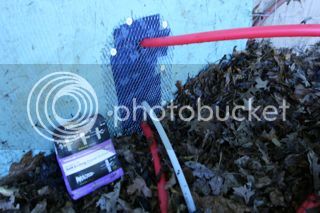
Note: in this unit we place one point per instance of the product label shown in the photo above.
(88, 162)
(96, 135)
(90, 168)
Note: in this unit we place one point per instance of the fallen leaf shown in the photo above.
(139, 185)
(220, 204)
(7, 192)
(315, 169)
(108, 202)
(277, 198)
(216, 184)
(44, 191)
(200, 170)
(245, 192)
(40, 207)
(7, 205)
(260, 83)
(171, 182)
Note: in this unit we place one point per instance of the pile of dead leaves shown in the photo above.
(35, 184)
(231, 166)
(258, 164)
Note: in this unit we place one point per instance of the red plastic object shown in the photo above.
(312, 204)
(161, 185)
(302, 30)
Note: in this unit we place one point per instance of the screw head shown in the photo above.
(113, 51)
(162, 67)
(129, 21)
(164, 24)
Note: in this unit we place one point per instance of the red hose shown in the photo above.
(161, 185)
(302, 30)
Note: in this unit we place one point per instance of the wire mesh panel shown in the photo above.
(135, 71)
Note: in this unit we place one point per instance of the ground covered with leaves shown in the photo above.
(231, 166)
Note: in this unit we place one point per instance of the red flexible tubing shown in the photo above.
(302, 30)
(161, 185)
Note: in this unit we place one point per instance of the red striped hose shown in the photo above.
(301, 30)
(161, 185)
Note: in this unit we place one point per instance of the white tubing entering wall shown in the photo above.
(173, 158)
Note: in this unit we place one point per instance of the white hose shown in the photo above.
(173, 158)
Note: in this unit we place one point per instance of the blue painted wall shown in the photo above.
(71, 35)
